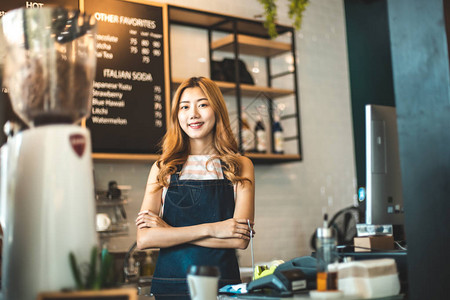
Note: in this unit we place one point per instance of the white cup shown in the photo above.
(102, 221)
(203, 282)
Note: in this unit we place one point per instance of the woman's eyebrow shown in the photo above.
(187, 101)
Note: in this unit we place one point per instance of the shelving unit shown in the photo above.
(105, 202)
(115, 209)
(251, 45)
(271, 157)
(246, 89)
(124, 157)
(247, 37)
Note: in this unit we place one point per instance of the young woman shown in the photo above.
(200, 193)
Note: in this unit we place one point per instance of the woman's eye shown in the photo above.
(203, 105)
(184, 107)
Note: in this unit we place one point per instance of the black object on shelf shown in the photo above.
(225, 71)
(113, 190)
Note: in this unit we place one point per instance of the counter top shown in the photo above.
(304, 295)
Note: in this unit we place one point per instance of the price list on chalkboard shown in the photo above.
(128, 105)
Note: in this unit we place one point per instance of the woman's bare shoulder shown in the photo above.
(245, 161)
(155, 166)
(154, 172)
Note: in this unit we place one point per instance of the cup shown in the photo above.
(203, 282)
(102, 221)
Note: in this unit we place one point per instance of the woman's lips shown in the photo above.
(196, 125)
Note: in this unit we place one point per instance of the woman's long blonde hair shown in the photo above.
(176, 147)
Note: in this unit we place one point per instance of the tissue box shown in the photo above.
(379, 242)
(365, 279)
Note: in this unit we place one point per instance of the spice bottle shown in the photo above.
(247, 135)
(326, 257)
(260, 133)
(278, 139)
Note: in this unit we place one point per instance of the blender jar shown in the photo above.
(49, 63)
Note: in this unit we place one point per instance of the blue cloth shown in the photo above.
(187, 203)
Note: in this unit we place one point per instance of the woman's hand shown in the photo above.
(148, 219)
(231, 228)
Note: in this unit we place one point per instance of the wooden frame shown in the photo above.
(109, 294)
(125, 157)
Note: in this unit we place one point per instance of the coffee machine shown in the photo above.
(47, 206)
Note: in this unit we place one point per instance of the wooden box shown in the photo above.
(375, 242)
(107, 294)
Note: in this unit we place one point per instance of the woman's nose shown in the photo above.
(193, 112)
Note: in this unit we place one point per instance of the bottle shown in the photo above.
(278, 138)
(246, 134)
(132, 270)
(148, 267)
(260, 134)
(326, 257)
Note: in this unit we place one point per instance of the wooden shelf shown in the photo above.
(124, 157)
(246, 89)
(257, 158)
(261, 158)
(120, 293)
(251, 45)
(211, 20)
(115, 229)
(102, 202)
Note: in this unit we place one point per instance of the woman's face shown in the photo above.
(195, 114)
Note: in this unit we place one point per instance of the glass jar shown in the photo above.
(327, 259)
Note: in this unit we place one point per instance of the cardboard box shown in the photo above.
(375, 242)
(368, 279)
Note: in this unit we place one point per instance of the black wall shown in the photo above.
(422, 91)
(369, 56)
(398, 55)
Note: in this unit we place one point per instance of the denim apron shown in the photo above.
(187, 203)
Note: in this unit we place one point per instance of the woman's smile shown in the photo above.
(196, 125)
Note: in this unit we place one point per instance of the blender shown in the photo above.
(48, 60)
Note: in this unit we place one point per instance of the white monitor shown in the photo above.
(384, 203)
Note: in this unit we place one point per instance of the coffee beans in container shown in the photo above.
(49, 74)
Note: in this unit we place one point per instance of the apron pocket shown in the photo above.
(182, 199)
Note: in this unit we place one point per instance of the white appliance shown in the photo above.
(47, 186)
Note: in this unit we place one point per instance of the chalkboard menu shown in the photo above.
(6, 112)
(128, 106)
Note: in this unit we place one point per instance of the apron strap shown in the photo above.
(174, 177)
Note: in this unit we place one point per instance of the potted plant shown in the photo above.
(296, 9)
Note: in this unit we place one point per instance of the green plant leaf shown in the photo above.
(91, 277)
(270, 12)
(296, 9)
(105, 268)
(75, 271)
